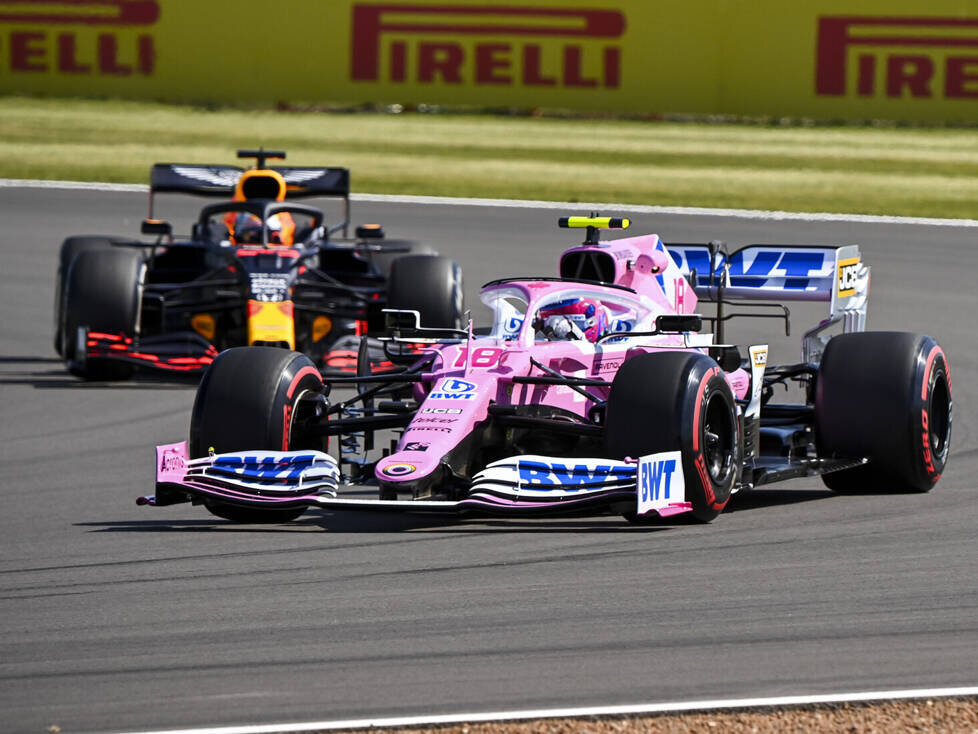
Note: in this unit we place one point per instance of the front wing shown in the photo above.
(517, 486)
(177, 353)
(190, 353)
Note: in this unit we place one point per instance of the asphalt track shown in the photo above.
(115, 617)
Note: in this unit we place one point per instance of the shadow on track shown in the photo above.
(756, 499)
(29, 360)
(355, 523)
(358, 523)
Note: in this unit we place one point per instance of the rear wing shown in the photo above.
(220, 181)
(827, 273)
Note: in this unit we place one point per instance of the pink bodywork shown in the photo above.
(454, 397)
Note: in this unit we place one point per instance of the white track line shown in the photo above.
(570, 713)
(29, 183)
(558, 205)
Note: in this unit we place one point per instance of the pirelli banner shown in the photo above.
(829, 59)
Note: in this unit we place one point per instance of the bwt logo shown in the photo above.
(106, 50)
(758, 268)
(454, 389)
(571, 477)
(655, 479)
(265, 467)
(922, 57)
(421, 43)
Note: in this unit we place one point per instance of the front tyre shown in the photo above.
(678, 401)
(71, 248)
(102, 292)
(384, 261)
(431, 285)
(886, 396)
(250, 399)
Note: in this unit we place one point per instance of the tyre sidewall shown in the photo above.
(925, 465)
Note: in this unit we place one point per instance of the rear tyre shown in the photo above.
(430, 284)
(70, 249)
(102, 293)
(678, 401)
(249, 398)
(886, 396)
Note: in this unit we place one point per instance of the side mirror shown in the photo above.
(157, 227)
(397, 319)
(370, 232)
(676, 323)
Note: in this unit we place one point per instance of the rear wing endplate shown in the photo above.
(834, 274)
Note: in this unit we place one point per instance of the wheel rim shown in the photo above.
(305, 410)
(719, 436)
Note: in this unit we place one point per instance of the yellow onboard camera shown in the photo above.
(593, 224)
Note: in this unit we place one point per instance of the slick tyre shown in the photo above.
(70, 249)
(384, 261)
(102, 292)
(429, 284)
(678, 401)
(885, 396)
(249, 398)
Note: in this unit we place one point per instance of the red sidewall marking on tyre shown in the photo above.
(699, 462)
(930, 362)
(927, 454)
(307, 370)
(287, 408)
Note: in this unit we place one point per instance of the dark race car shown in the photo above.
(257, 269)
(591, 393)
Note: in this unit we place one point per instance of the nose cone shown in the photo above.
(449, 413)
(407, 466)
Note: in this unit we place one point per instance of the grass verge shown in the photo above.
(866, 170)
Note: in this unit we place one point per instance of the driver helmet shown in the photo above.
(574, 318)
(247, 229)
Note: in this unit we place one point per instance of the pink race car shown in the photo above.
(590, 393)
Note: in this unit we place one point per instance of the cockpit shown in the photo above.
(260, 223)
(532, 312)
